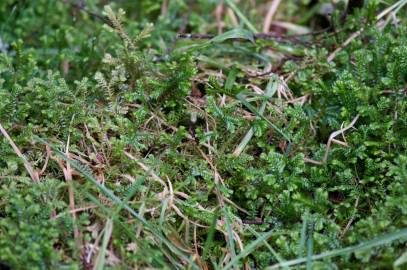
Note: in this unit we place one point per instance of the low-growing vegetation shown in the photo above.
(203, 134)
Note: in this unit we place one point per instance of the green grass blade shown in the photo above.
(130, 193)
(242, 99)
(244, 19)
(230, 79)
(237, 33)
(310, 247)
(209, 238)
(101, 258)
(273, 252)
(125, 227)
(162, 214)
(301, 245)
(231, 240)
(270, 91)
(379, 241)
(248, 249)
(401, 260)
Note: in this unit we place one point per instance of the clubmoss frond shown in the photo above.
(102, 83)
(117, 22)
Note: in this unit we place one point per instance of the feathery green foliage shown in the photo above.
(241, 151)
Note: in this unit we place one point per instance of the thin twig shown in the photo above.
(77, 210)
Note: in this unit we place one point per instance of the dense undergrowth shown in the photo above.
(141, 150)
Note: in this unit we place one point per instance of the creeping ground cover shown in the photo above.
(203, 134)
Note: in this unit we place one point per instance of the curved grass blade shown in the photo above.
(237, 33)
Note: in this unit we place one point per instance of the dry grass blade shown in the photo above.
(336, 133)
(333, 140)
(270, 14)
(68, 172)
(164, 7)
(44, 167)
(332, 56)
(158, 234)
(163, 194)
(33, 174)
(218, 14)
(351, 219)
(148, 170)
(68, 178)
